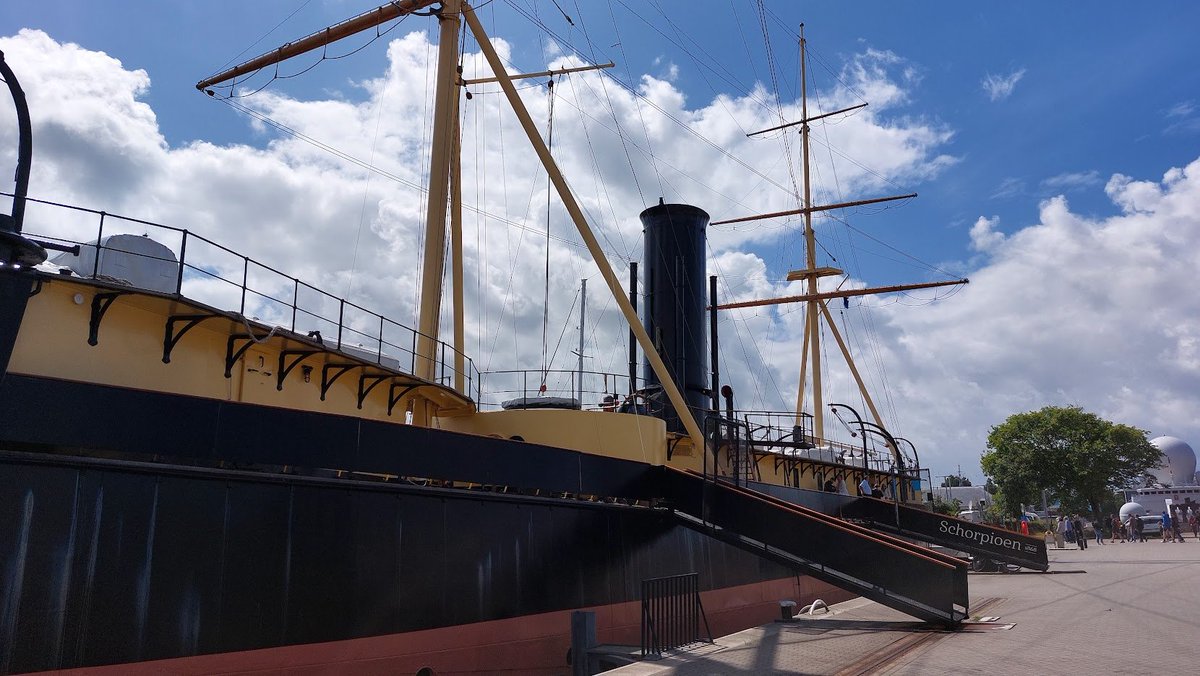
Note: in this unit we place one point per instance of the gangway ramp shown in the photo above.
(977, 539)
(895, 573)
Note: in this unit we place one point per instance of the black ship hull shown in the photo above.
(128, 538)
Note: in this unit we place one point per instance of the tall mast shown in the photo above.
(815, 310)
(450, 15)
(810, 259)
(439, 193)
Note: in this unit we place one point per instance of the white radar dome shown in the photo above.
(1131, 508)
(1178, 466)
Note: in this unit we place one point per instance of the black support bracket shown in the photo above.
(338, 370)
(671, 447)
(789, 463)
(234, 353)
(171, 338)
(364, 389)
(394, 398)
(286, 367)
(100, 304)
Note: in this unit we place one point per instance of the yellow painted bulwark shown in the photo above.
(615, 435)
(53, 338)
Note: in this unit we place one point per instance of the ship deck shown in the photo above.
(1113, 608)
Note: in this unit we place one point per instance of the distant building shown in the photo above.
(970, 497)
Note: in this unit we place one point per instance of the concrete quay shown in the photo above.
(1117, 608)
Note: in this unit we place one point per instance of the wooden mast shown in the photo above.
(816, 310)
(810, 258)
(440, 188)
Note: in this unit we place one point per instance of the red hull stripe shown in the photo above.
(532, 644)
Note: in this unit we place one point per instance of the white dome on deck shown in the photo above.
(1133, 508)
(1178, 466)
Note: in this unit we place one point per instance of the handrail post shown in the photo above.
(182, 264)
(99, 239)
(341, 320)
(295, 301)
(379, 358)
(245, 280)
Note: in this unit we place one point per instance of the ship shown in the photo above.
(269, 477)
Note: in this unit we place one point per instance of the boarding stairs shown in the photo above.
(895, 573)
(981, 541)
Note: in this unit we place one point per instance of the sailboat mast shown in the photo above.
(810, 244)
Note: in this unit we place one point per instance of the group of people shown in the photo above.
(1070, 529)
(873, 490)
(1175, 523)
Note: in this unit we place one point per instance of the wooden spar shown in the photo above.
(439, 193)
(810, 245)
(807, 119)
(362, 22)
(803, 373)
(564, 192)
(862, 387)
(839, 294)
(544, 73)
(808, 211)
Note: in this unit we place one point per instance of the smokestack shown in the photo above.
(675, 301)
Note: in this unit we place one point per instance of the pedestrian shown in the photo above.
(1141, 527)
(1080, 536)
(864, 486)
(1060, 532)
(1024, 525)
(1098, 525)
(1118, 527)
(1177, 526)
(1194, 522)
(1069, 534)
(1166, 525)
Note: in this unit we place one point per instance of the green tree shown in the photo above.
(1079, 457)
(949, 507)
(955, 480)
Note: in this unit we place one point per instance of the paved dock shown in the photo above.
(1124, 608)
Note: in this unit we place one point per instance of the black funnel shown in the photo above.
(675, 275)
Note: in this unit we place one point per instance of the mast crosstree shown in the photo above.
(816, 310)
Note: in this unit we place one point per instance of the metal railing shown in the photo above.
(591, 391)
(778, 432)
(672, 614)
(219, 277)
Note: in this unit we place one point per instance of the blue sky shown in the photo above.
(1096, 92)
(1010, 122)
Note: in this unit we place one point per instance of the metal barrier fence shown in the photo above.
(672, 614)
(217, 276)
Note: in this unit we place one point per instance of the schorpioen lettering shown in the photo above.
(995, 540)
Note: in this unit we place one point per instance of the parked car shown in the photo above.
(1151, 524)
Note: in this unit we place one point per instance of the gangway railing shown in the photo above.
(980, 540)
(890, 571)
(672, 614)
